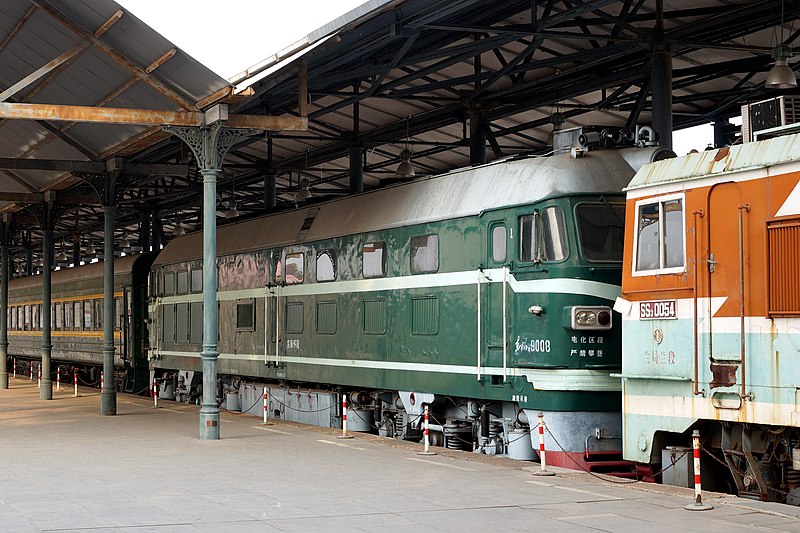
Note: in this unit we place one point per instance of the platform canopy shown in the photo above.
(443, 80)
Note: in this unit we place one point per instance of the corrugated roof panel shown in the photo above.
(736, 158)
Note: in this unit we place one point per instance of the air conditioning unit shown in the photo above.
(770, 118)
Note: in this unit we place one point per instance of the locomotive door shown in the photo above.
(493, 287)
(727, 282)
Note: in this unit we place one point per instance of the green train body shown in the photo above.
(77, 322)
(461, 291)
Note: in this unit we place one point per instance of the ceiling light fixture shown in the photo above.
(304, 193)
(781, 76)
(405, 169)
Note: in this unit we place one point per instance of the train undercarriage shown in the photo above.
(455, 423)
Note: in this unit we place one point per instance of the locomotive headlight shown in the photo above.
(590, 317)
(585, 318)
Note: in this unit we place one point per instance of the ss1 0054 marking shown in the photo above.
(655, 310)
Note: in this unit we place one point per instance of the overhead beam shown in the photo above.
(143, 117)
(93, 167)
(40, 72)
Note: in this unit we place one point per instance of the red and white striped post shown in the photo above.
(426, 439)
(39, 377)
(75, 380)
(698, 504)
(102, 381)
(542, 454)
(15, 367)
(31, 378)
(265, 423)
(344, 434)
(58, 378)
(155, 392)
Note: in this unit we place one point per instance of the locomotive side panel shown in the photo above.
(703, 343)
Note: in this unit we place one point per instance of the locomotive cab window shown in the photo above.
(424, 253)
(659, 239)
(295, 265)
(601, 230)
(543, 236)
(326, 265)
(374, 259)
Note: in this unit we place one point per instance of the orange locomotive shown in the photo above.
(711, 315)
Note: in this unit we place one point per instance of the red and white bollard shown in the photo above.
(265, 423)
(58, 378)
(31, 378)
(698, 504)
(542, 454)
(75, 379)
(102, 381)
(344, 434)
(14, 359)
(426, 439)
(155, 392)
(39, 377)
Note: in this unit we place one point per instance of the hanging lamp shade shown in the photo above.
(405, 169)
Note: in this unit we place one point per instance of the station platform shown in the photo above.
(66, 468)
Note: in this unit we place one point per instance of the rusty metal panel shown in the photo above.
(784, 265)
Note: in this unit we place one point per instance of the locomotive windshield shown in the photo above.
(601, 230)
(543, 236)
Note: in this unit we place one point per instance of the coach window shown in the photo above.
(67, 315)
(183, 281)
(498, 243)
(374, 260)
(246, 314)
(543, 236)
(326, 265)
(35, 317)
(12, 314)
(659, 241)
(98, 314)
(87, 315)
(169, 283)
(26, 324)
(77, 314)
(197, 280)
(294, 268)
(59, 314)
(424, 253)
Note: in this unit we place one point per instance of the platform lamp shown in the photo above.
(90, 251)
(61, 258)
(781, 76)
(405, 169)
(178, 229)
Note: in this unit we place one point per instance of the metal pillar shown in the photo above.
(661, 94)
(144, 232)
(477, 138)
(209, 145)
(4, 305)
(46, 390)
(356, 169)
(76, 250)
(108, 396)
(270, 196)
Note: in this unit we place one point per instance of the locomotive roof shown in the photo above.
(122, 265)
(456, 194)
(737, 158)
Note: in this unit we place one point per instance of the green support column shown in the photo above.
(46, 390)
(209, 145)
(209, 412)
(4, 305)
(108, 396)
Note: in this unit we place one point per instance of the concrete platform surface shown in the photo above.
(66, 468)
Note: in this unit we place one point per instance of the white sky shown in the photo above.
(231, 37)
(228, 41)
